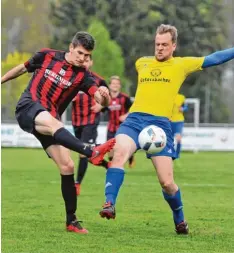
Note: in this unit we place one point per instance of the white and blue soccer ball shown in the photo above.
(152, 139)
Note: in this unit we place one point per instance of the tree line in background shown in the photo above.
(124, 31)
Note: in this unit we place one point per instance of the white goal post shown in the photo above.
(196, 114)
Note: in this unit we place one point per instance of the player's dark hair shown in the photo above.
(83, 39)
(168, 29)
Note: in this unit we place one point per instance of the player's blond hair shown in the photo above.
(168, 29)
(114, 78)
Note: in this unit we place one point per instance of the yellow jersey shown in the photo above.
(177, 115)
(159, 83)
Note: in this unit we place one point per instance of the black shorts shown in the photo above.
(87, 134)
(26, 112)
(110, 135)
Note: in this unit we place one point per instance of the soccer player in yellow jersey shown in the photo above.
(177, 121)
(159, 80)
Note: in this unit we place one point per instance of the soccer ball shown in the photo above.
(152, 139)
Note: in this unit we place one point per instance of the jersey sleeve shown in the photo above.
(192, 64)
(138, 64)
(35, 62)
(75, 98)
(98, 79)
(88, 85)
(103, 83)
(182, 99)
(128, 103)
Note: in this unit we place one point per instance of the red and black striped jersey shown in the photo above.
(56, 82)
(81, 106)
(118, 106)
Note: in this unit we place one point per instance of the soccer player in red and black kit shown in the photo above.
(117, 111)
(57, 78)
(85, 120)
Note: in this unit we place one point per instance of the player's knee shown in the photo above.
(169, 186)
(178, 138)
(45, 123)
(119, 156)
(67, 168)
(55, 125)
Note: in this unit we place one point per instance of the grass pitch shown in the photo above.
(33, 210)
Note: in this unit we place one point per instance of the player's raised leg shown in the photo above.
(62, 158)
(171, 192)
(48, 125)
(123, 149)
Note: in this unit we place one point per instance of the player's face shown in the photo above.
(164, 47)
(88, 63)
(78, 55)
(115, 85)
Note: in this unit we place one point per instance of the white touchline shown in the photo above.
(180, 184)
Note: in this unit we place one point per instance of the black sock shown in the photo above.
(83, 165)
(66, 139)
(69, 196)
(130, 160)
(104, 164)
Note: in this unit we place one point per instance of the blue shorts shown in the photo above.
(177, 127)
(136, 121)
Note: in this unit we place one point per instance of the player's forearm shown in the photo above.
(13, 73)
(184, 108)
(218, 58)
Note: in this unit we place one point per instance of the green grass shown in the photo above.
(33, 210)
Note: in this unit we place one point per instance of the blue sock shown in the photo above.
(176, 205)
(178, 148)
(114, 180)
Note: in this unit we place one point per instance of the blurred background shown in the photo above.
(124, 31)
(32, 209)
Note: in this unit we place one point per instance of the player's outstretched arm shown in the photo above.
(13, 73)
(218, 58)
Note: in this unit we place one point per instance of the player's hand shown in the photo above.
(96, 108)
(123, 117)
(104, 91)
(105, 94)
(102, 100)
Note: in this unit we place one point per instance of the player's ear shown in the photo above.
(71, 47)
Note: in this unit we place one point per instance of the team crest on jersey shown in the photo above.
(155, 72)
(62, 72)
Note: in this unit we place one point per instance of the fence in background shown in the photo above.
(194, 138)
